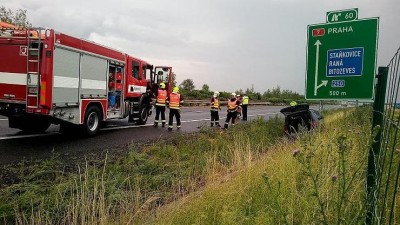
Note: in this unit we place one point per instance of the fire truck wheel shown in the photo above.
(91, 126)
(143, 114)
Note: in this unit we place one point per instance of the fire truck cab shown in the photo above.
(47, 77)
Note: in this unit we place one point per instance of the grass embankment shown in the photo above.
(246, 175)
(131, 187)
(317, 179)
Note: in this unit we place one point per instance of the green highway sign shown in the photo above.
(341, 60)
(342, 15)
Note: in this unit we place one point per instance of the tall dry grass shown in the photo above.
(247, 175)
(317, 179)
(129, 190)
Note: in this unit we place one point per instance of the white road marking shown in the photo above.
(261, 114)
(146, 125)
(28, 136)
(126, 127)
(116, 127)
(189, 121)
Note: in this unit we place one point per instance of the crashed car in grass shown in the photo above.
(300, 117)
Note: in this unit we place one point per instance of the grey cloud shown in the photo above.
(228, 44)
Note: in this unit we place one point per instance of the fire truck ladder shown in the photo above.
(33, 67)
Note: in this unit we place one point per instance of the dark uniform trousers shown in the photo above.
(160, 110)
(214, 117)
(177, 114)
(232, 114)
(244, 112)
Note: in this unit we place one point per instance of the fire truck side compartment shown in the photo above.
(77, 75)
(93, 76)
(66, 77)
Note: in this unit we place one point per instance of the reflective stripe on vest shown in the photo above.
(231, 104)
(174, 101)
(215, 104)
(245, 100)
(161, 97)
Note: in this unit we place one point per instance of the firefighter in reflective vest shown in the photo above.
(161, 98)
(245, 103)
(175, 100)
(233, 104)
(214, 109)
(239, 109)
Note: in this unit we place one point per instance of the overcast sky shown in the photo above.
(227, 44)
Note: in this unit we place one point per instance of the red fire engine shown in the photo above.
(47, 77)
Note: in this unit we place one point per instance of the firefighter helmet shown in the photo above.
(216, 94)
(293, 103)
(162, 85)
(176, 89)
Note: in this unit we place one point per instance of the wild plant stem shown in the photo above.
(317, 193)
(342, 178)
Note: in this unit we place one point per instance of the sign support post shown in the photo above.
(377, 123)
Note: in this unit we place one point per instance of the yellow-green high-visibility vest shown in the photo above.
(245, 100)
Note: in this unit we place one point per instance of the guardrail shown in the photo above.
(207, 102)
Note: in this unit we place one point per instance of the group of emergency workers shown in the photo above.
(236, 107)
(173, 101)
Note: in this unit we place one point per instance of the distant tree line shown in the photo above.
(274, 95)
(17, 17)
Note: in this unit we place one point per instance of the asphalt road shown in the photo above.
(16, 146)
